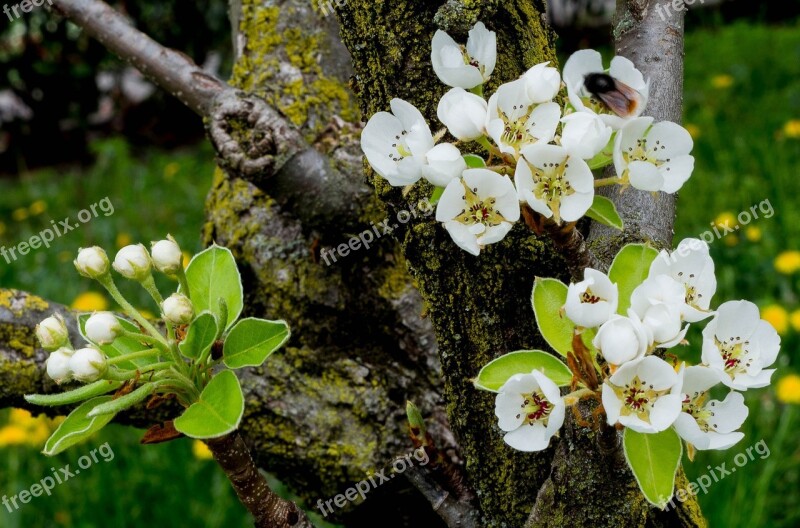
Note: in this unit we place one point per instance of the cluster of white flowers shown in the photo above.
(643, 391)
(550, 152)
(133, 262)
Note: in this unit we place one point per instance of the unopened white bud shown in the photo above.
(52, 333)
(58, 365)
(178, 309)
(167, 256)
(92, 262)
(103, 328)
(87, 364)
(133, 262)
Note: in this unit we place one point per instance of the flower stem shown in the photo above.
(108, 284)
(125, 375)
(184, 283)
(134, 355)
(611, 180)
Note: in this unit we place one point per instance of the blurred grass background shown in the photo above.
(742, 105)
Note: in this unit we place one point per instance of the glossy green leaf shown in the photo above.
(218, 411)
(251, 341)
(200, 336)
(474, 161)
(605, 212)
(630, 268)
(121, 345)
(77, 427)
(84, 392)
(654, 460)
(549, 296)
(212, 274)
(495, 374)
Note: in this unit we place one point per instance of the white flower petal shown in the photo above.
(645, 176)
(528, 438)
(676, 172)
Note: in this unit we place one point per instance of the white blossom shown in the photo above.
(396, 144)
(542, 83)
(444, 164)
(659, 302)
(178, 309)
(514, 121)
(554, 183)
(691, 265)
(464, 66)
(478, 209)
(530, 409)
(709, 424)
(167, 256)
(463, 113)
(644, 395)
(623, 339)
(653, 158)
(740, 345)
(592, 301)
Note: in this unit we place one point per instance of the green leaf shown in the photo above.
(629, 269)
(77, 427)
(84, 392)
(436, 195)
(605, 156)
(212, 274)
(654, 460)
(218, 411)
(251, 341)
(495, 374)
(123, 402)
(604, 211)
(474, 161)
(121, 345)
(549, 296)
(200, 337)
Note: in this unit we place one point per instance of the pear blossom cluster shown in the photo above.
(134, 262)
(640, 390)
(550, 151)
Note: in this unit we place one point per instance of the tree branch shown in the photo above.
(253, 141)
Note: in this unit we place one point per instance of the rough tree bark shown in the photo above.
(329, 409)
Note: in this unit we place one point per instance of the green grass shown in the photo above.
(743, 158)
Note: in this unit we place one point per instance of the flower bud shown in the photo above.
(58, 365)
(622, 339)
(167, 256)
(87, 365)
(103, 328)
(133, 262)
(92, 262)
(178, 309)
(463, 113)
(52, 333)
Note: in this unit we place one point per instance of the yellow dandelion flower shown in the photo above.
(753, 234)
(731, 240)
(777, 316)
(90, 302)
(147, 314)
(722, 81)
(12, 435)
(788, 262)
(693, 130)
(20, 214)
(20, 417)
(789, 389)
(123, 239)
(794, 320)
(187, 257)
(66, 256)
(792, 129)
(726, 218)
(201, 451)
(170, 170)
(38, 207)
